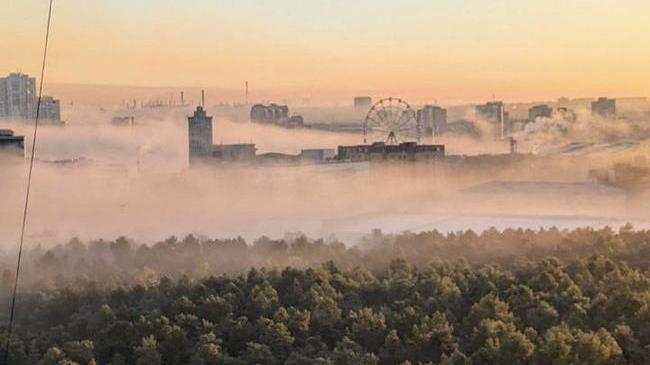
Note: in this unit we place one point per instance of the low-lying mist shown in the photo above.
(95, 180)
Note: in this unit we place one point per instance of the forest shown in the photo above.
(537, 297)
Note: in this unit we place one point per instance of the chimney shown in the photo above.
(513, 145)
(182, 98)
(203, 98)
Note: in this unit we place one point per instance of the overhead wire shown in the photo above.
(28, 190)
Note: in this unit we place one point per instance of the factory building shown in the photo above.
(278, 112)
(433, 120)
(494, 113)
(276, 158)
(539, 111)
(200, 135)
(296, 121)
(269, 113)
(306, 157)
(353, 153)
(11, 143)
(237, 153)
(362, 103)
(604, 107)
(379, 151)
(259, 113)
(317, 154)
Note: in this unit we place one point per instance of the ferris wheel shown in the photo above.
(391, 120)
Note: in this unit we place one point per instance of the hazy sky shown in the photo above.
(513, 49)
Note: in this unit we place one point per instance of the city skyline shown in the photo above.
(332, 50)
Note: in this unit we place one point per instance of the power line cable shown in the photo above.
(29, 184)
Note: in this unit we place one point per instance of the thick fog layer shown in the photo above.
(96, 180)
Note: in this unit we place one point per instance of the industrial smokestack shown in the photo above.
(182, 98)
(246, 92)
(502, 121)
(203, 98)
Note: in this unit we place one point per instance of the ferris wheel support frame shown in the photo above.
(393, 116)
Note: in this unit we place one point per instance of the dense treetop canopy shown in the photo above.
(512, 297)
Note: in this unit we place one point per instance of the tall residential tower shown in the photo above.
(494, 113)
(19, 101)
(433, 120)
(18, 97)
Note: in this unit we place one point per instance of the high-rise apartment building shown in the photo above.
(18, 100)
(50, 109)
(494, 113)
(18, 96)
(433, 120)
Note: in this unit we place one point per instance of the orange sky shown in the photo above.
(422, 49)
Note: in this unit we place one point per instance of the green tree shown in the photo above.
(349, 352)
(53, 356)
(368, 329)
(81, 352)
(147, 352)
(276, 336)
(431, 339)
(257, 353)
(455, 358)
(207, 351)
(501, 343)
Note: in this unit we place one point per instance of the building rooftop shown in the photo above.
(8, 135)
(233, 146)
